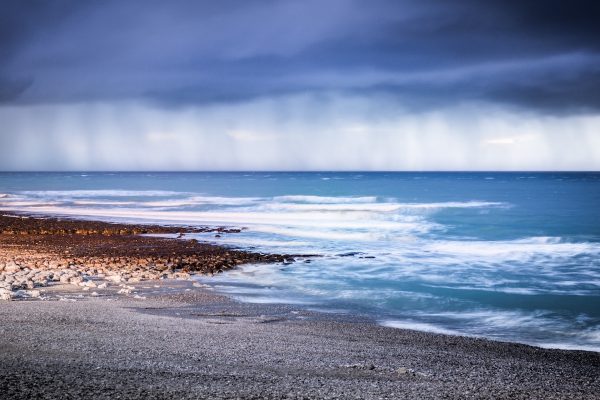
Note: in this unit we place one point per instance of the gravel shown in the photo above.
(188, 344)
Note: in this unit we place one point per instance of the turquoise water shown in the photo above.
(509, 256)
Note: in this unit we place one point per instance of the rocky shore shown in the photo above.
(94, 256)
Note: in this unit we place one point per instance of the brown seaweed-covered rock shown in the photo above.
(36, 252)
(21, 224)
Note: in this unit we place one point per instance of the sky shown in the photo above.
(299, 85)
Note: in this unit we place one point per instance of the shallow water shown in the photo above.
(510, 256)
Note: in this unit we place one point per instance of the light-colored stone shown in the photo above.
(405, 371)
(5, 294)
(11, 267)
(76, 280)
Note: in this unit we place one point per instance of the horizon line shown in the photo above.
(300, 171)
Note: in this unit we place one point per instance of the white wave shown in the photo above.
(100, 193)
(496, 318)
(376, 207)
(17, 203)
(325, 199)
(592, 334)
(370, 203)
(256, 242)
(568, 346)
(580, 282)
(538, 240)
(272, 300)
(420, 326)
(373, 207)
(504, 324)
(319, 234)
(454, 204)
(301, 211)
(582, 341)
(104, 203)
(587, 339)
(325, 220)
(208, 200)
(516, 290)
(512, 249)
(508, 290)
(190, 201)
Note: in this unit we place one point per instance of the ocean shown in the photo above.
(506, 256)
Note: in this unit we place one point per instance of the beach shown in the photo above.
(195, 344)
(144, 337)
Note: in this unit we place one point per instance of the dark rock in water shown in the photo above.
(350, 254)
(367, 257)
(217, 235)
(24, 225)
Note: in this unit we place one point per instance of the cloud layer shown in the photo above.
(541, 55)
(338, 84)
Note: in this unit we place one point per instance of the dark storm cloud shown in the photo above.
(540, 55)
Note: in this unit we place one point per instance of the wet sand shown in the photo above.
(172, 339)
